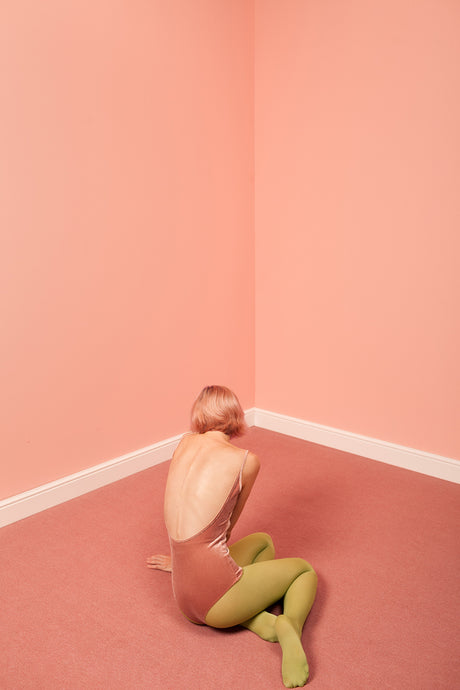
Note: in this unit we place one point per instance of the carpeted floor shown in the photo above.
(79, 608)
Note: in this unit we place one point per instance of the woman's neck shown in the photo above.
(220, 435)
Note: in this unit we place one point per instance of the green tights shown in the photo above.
(264, 582)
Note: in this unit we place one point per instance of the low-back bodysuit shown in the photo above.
(202, 568)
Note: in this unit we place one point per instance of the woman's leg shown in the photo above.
(262, 584)
(256, 548)
(298, 601)
(253, 549)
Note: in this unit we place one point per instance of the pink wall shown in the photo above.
(126, 208)
(126, 132)
(357, 216)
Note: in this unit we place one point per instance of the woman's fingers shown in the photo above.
(157, 556)
(159, 562)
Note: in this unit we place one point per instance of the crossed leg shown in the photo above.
(253, 549)
(256, 548)
(265, 581)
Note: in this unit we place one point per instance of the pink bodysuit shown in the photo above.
(202, 568)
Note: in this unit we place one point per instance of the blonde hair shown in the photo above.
(218, 409)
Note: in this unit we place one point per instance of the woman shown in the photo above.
(208, 484)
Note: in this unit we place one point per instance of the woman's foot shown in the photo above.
(263, 625)
(294, 667)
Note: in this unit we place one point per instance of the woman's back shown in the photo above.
(202, 472)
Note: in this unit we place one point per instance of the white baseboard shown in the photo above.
(250, 416)
(408, 458)
(49, 495)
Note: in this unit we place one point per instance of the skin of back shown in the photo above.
(202, 472)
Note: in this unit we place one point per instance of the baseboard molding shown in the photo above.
(390, 453)
(52, 494)
(49, 495)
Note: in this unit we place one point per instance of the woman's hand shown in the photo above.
(160, 562)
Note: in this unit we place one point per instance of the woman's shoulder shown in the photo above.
(252, 464)
(185, 439)
(188, 436)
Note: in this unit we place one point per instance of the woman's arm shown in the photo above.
(250, 472)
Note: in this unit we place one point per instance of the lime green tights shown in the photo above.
(264, 582)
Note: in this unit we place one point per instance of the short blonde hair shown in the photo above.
(218, 409)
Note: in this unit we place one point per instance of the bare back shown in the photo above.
(202, 472)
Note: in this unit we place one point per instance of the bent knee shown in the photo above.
(265, 547)
(305, 567)
(265, 539)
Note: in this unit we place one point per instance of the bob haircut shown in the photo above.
(218, 409)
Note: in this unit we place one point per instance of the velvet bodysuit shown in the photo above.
(202, 568)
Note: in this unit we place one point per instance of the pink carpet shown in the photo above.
(80, 609)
